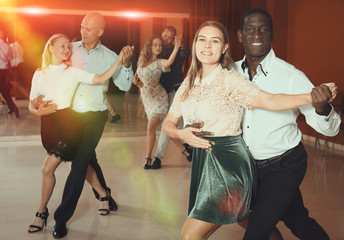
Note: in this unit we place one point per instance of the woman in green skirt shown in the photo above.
(223, 172)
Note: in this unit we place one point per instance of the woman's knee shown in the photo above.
(197, 230)
(49, 166)
(47, 171)
(151, 127)
(189, 236)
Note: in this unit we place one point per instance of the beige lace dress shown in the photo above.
(222, 180)
(154, 96)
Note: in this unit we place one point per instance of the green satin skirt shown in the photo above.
(223, 181)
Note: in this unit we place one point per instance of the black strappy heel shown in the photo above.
(103, 199)
(43, 216)
(187, 152)
(112, 204)
(148, 163)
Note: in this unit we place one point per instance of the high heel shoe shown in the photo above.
(188, 149)
(148, 163)
(102, 210)
(112, 204)
(44, 217)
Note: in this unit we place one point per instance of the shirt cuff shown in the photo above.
(329, 116)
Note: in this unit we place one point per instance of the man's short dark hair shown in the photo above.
(254, 11)
(172, 29)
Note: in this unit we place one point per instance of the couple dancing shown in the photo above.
(224, 176)
(68, 93)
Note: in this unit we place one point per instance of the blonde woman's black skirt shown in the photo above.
(61, 133)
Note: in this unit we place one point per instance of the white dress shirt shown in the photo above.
(98, 60)
(5, 54)
(271, 133)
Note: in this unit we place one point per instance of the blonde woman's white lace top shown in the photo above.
(217, 100)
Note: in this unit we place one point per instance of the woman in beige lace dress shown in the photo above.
(223, 172)
(154, 96)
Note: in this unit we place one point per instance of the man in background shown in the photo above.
(171, 82)
(6, 56)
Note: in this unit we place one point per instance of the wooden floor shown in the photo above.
(152, 203)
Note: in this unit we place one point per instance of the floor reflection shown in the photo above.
(152, 203)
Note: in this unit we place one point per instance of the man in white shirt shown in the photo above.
(274, 138)
(6, 56)
(91, 55)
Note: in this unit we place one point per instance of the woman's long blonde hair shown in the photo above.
(146, 53)
(47, 58)
(195, 69)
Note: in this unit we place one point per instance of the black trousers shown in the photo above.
(5, 89)
(279, 199)
(93, 127)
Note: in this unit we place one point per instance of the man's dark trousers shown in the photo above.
(279, 198)
(93, 126)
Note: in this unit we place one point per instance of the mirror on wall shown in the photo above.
(29, 31)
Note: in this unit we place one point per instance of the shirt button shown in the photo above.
(248, 126)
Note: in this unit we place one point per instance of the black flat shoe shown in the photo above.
(15, 111)
(148, 164)
(44, 217)
(60, 230)
(156, 164)
(115, 118)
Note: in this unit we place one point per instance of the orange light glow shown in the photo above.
(132, 14)
(127, 14)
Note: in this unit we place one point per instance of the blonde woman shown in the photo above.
(154, 96)
(57, 81)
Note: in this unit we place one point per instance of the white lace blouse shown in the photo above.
(217, 100)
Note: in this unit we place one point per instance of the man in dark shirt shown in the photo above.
(171, 82)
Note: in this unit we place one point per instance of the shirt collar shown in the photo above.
(264, 66)
(80, 44)
(208, 79)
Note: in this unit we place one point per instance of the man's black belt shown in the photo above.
(266, 162)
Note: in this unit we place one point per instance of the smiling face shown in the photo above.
(60, 50)
(210, 46)
(91, 30)
(156, 46)
(256, 36)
